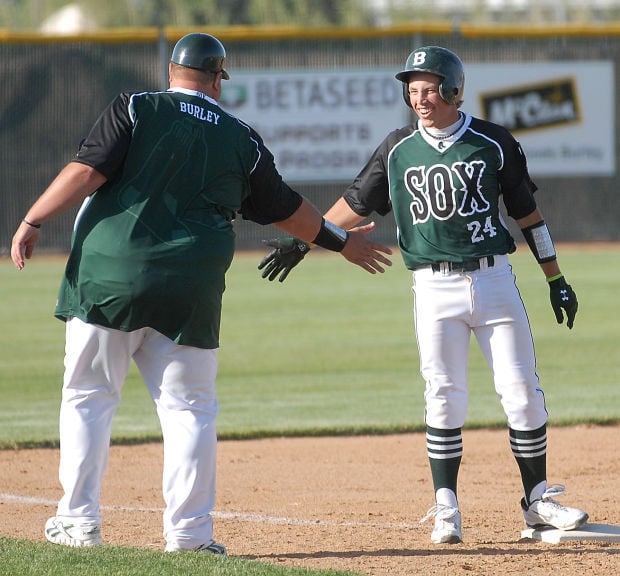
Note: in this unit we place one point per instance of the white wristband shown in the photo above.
(540, 242)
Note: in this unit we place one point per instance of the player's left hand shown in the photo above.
(563, 300)
(286, 254)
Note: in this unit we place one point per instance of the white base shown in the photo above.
(588, 532)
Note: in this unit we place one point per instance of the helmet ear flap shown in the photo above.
(406, 94)
(448, 95)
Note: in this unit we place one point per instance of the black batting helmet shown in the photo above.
(201, 52)
(441, 62)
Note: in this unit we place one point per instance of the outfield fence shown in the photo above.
(53, 88)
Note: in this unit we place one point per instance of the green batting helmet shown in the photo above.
(441, 62)
(201, 52)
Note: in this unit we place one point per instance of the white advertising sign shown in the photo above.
(562, 113)
(320, 125)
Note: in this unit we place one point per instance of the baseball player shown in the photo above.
(444, 177)
(163, 175)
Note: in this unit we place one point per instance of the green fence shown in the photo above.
(52, 90)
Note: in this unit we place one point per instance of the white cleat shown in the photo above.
(212, 547)
(447, 528)
(548, 512)
(62, 532)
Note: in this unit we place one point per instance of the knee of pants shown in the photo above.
(525, 411)
(446, 407)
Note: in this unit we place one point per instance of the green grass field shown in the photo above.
(329, 351)
(23, 558)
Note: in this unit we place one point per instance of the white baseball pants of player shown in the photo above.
(449, 306)
(181, 381)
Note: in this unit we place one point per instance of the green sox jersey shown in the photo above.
(151, 247)
(445, 193)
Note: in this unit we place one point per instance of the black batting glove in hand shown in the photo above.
(563, 299)
(286, 254)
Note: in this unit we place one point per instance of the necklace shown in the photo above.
(459, 124)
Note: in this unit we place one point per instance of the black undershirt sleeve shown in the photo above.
(369, 192)
(106, 145)
(271, 199)
(517, 186)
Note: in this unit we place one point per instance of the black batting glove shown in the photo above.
(286, 254)
(563, 300)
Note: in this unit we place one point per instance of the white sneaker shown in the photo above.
(61, 532)
(548, 512)
(212, 547)
(447, 528)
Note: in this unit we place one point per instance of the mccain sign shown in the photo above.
(531, 107)
(542, 104)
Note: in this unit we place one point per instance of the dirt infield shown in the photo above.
(349, 503)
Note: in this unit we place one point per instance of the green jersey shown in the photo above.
(151, 247)
(445, 193)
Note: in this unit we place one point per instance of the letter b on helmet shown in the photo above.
(418, 58)
(441, 62)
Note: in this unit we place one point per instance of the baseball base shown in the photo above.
(588, 532)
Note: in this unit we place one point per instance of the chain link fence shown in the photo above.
(52, 90)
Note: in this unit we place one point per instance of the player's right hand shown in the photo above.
(365, 253)
(286, 254)
(23, 243)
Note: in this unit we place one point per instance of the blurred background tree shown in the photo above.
(21, 14)
(31, 14)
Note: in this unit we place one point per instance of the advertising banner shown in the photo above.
(562, 113)
(322, 125)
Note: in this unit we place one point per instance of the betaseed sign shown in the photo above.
(320, 126)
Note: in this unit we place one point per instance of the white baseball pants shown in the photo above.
(181, 381)
(449, 306)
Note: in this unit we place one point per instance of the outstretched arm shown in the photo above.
(342, 215)
(306, 224)
(308, 227)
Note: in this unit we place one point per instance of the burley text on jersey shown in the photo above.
(199, 112)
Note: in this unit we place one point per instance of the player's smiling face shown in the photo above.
(432, 110)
